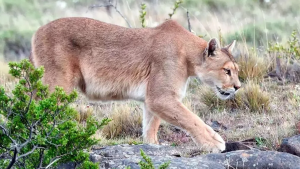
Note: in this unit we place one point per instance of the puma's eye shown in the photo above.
(227, 71)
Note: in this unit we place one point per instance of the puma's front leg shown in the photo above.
(170, 109)
(150, 126)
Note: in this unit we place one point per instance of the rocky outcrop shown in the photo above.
(291, 145)
(238, 155)
(121, 156)
(255, 159)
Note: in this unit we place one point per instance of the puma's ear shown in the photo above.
(230, 47)
(213, 45)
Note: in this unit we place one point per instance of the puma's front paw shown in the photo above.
(216, 143)
(210, 141)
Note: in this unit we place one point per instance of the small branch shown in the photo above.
(52, 163)
(176, 5)
(31, 94)
(28, 153)
(6, 133)
(12, 162)
(278, 68)
(29, 139)
(114, 6)
(41, 158)
(188, 19)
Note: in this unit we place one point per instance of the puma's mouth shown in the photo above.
(222, 92)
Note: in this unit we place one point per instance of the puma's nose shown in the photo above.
(236, 87)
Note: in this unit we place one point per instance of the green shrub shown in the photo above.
(40, 128)
(291, 50)
(143, 14)
(148, 164)
(285, 58)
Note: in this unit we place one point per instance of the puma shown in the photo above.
(151, 65)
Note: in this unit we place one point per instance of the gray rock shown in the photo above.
(122, 156)
(255, 159)
(125, 155)
(291, 145)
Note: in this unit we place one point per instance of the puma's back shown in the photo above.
(105, 61)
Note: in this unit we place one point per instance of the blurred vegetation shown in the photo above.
(255, 22)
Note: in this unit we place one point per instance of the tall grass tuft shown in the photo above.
(210, 99)
(126, 121)
(256, 99)
(249, 97)
(252, 67)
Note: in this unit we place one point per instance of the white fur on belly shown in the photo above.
(138, 92)
(103, 91)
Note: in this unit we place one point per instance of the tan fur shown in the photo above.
(152, 65)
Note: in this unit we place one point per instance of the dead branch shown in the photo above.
(188, 19)
(108, 6)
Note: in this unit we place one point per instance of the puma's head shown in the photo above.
(219, 70)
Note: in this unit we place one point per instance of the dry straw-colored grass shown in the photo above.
(252, 67)
(255, 98)
(126, 121)
(250, 97)
(4, 75)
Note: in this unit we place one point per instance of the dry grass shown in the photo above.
(250, 97)
(242, 123)
(126, 121)
(84, 112)
(252, 67)
(5, 77)
(254, 98)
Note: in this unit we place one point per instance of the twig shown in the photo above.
(278, 68)
(176, 5)
(29, 139)
(31, 95)
(28, 153)
(114, 6)
(188, 19)
(7, 134)
(52, 163)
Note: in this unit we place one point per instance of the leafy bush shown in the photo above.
(285, 59)
(289, 51)
(39, 129)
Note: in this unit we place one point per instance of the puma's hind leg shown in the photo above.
(59, 77)
(150, 126)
